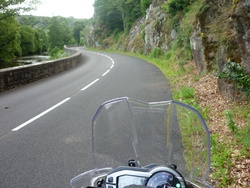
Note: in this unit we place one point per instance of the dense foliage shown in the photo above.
(175, 6)
(78, 27)
(27, 35)
(59, 34)
(10, 8)
(10, 31)
(19, 40)
(238, 75)
(9, 41)
(34, 21)
(116, 16)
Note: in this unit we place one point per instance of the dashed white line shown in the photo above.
(106, 72)
(92, 83)
(112, 61)
(40, 115)
(62, 102)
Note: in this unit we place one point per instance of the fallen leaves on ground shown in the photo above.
(209, 96)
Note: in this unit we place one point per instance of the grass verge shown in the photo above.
(230, 128)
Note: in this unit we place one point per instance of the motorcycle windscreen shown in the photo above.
(161, 133)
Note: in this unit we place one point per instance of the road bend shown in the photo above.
(45, 137)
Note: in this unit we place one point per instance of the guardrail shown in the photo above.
(18, 76)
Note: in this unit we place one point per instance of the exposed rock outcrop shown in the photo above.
(150, 32)
(212, 30)
(198, 49)
(155, 35)
(221, 32)
(241, 20)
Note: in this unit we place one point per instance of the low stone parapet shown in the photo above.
(18, 76)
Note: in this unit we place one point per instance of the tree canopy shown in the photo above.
(9, 41)
(119, 15)
(22, 35)
(59, 33)
(27, 40)
(78, 27)
(10, 8)
(10, 32)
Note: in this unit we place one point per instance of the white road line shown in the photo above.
(106, 72)
(62, 102)
(40, 115)
(112, 61)
(92, 83)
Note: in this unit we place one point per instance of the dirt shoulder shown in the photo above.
(206, 91)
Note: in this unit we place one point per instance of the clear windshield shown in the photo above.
(162, 133)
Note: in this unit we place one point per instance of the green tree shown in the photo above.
(33, 41)
(34, 21)
(78, 27)
(117, 15)
(144, 5)
(59, 34)
(28, 43)
(175, 6)
(132, 13)
(9, 8)
(107, 15)
(119, 7)
(9, 41)
(43, 40)
(37, 41)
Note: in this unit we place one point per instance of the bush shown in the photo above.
(53, 51)
(230, 120)
(156, 52)
(57, 53)
(175, 6)
(144, 5)
(237, 74)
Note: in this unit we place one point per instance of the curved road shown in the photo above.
(45, 126)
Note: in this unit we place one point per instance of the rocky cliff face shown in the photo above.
(221, 32)
(149, 32)
(213, 30)
(241, 21)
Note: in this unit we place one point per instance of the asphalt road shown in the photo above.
(45, 137)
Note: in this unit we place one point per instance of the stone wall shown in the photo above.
(17, 76)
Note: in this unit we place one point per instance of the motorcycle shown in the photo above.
(139, 144)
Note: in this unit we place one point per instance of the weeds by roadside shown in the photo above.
(229, 123)
(230, 120)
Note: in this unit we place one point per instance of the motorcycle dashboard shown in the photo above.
(127, 180)
(157, 177)
(165, 132)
